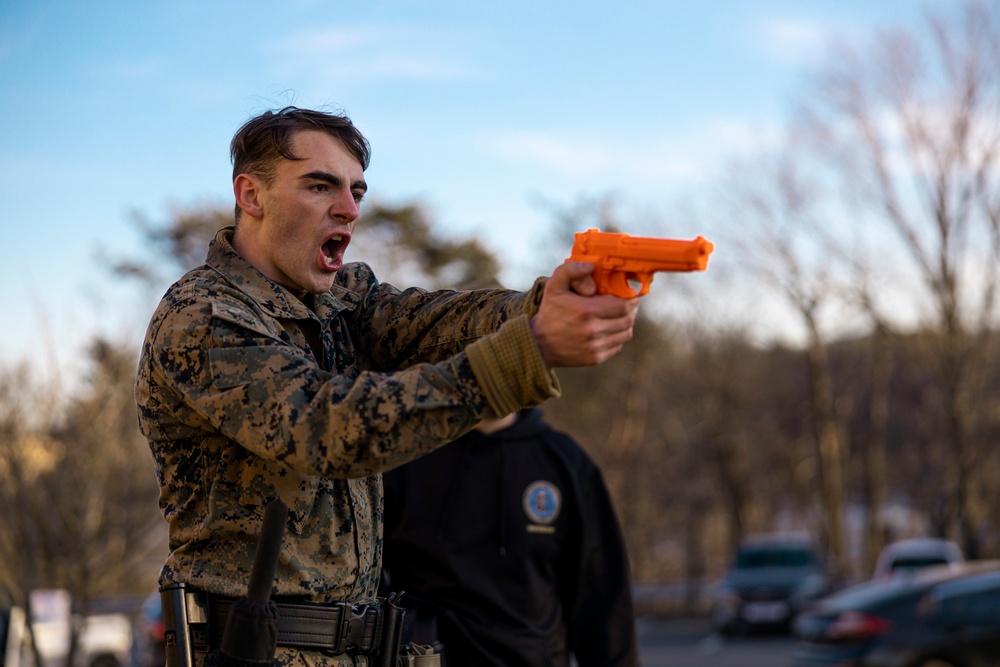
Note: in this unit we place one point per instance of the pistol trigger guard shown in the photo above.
(645, 280)
(628, 291)
(619, 285)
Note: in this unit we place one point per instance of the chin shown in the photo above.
(322, 286)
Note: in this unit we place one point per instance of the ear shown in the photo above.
(247, 190)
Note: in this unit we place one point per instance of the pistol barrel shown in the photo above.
(670, 254)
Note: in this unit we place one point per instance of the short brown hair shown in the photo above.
(263, 140)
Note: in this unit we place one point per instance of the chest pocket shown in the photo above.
(249, 349)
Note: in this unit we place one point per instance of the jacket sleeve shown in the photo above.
(398, 329)
(210, 365)
(601, 618)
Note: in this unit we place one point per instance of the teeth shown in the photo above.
(333, 239)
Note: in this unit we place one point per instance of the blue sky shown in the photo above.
(478, 109)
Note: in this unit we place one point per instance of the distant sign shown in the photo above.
(50, 605)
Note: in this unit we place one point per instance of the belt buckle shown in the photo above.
(358, 629)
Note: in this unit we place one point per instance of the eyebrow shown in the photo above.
(327, 177)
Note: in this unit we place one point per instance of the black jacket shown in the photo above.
(509, 541)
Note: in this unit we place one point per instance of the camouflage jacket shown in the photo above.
(245, 395)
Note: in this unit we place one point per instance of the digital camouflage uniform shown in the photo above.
(247, 395)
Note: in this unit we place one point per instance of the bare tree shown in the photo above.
(102, 489)
(778, 227)
(78, 489)
(911, 126)
(27, 415)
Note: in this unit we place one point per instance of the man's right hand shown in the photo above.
(575, 326)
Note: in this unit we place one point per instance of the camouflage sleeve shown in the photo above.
(492, 326)
(399, 328)
(217, 367)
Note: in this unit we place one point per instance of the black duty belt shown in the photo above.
(334, 628)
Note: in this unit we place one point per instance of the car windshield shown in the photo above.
(774, 557)
(915, 561)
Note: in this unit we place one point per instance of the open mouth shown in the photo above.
(334, 248)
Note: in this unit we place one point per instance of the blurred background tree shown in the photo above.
(890, 174)
(909, 128)
(78, 489)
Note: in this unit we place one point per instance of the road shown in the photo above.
(669, 642)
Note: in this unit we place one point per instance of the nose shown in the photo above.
(345, 207)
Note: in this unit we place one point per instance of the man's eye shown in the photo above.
(320, 187)
(358, 196)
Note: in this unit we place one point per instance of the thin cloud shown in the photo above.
(692, 153)
(695, 153)
(372, 53)
(795, 41)
(327, 41)
(406, 68)
(740, 135)
(573, 157)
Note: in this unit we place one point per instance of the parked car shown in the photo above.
(771, 578)
(941, 616)
(906, 556)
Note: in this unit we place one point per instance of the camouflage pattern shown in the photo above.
(246, 394)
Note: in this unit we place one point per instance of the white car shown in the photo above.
(104, 640)
(905, 556)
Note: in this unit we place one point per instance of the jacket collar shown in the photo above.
(273, 299)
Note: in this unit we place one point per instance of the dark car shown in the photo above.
(946, 616)
(769, 581)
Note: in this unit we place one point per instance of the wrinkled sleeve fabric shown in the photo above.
(505, 361)
(403, 383)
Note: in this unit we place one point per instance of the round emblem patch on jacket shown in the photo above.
(542, 502)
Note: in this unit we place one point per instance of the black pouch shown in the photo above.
(251, 635)
(392, 631)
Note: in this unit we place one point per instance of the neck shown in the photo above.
(488, 426)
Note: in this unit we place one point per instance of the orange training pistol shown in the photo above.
(620, 259)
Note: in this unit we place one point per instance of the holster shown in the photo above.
(392, 632)
(185, 625)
